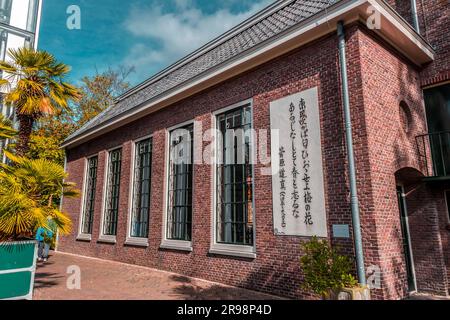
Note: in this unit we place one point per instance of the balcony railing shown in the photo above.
(434, 151)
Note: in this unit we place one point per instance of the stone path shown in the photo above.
(106, 280)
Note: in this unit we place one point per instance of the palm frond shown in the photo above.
(6, 129)
(27, 190)
(37, 79)
(8, 67)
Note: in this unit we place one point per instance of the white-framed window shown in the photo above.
(88, 198)
(177, 231)
(233, 228)
(111, 194)
(141, 174)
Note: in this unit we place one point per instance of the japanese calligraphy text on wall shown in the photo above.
(297, 182)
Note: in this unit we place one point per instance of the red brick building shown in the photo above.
(141, 205)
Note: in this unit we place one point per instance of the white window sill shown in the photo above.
(84, 237)
(233, 250)
(140, 242)
(176, 245)
(107, 239)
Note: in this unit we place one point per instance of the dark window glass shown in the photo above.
(234, 178)
(89, 200)
(179, 211)
(141, 189)
(437, 103)
(112, 193)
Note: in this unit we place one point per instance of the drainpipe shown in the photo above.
(414, 16)
(61, 203)
(351, 158)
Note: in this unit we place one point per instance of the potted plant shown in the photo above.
(28, 189)
(328, 274)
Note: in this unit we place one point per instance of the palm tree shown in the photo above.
(6, 130)
(28, 190)
(35, 87)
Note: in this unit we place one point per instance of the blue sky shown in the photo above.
(146, 34)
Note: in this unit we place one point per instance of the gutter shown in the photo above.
(351, 157)
(415, 16)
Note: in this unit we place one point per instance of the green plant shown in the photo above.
(325, 270)
(43, 147)
(28, 189)
(6, 130)
(35, 87)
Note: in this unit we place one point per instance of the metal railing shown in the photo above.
(434, 151)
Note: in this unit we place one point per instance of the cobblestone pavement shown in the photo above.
(105, 280)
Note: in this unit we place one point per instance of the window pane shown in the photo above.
(437, 103)
(179, 211)
(21, 14)
(141, 193)
(89, 200)
(234, 178)
(112, 193)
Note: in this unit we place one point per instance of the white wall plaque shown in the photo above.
(297, 172)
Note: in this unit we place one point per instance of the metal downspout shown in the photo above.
(414, 16)
(351, 158)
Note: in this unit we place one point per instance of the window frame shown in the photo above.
(166, 243)
(102, 237)
(243, 251)
(130, 240)
(85, 236)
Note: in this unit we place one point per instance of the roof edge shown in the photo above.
(252, 20)
(316, 26)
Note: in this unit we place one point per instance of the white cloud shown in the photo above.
(167, 36)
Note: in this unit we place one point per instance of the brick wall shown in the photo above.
(429, 237)
(434, 21)
(378, 79)
(403, 7)
(276, 268)
(389, 82)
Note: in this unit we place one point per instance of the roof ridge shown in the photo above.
(210, 45)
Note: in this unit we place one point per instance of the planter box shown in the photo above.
(17, 269)
(359, 293)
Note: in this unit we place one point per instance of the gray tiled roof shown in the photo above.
(292, 13)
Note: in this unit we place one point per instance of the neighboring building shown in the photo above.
(146, 202)
(19, 27)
